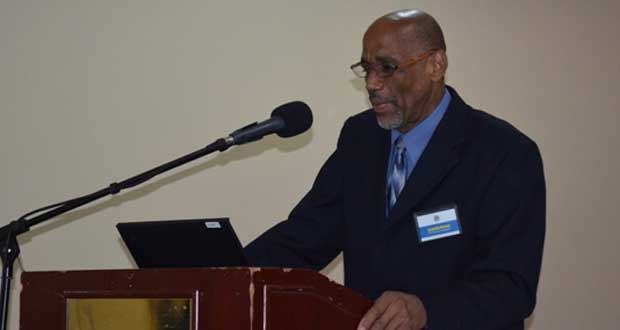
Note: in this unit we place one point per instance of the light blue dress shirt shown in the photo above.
(417, 138)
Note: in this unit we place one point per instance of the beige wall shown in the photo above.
(92, 92)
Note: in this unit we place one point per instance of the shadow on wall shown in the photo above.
(232, 155)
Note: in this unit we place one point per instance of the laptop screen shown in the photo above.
(183, 243)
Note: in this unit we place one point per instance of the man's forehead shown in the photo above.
(386, 39)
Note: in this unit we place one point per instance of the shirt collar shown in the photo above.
(421, 134)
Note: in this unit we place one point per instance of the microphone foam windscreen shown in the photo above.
(297, 118)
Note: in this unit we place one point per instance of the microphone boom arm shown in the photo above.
(8, 233)
(287, 120)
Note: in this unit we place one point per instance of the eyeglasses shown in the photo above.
(386, 69)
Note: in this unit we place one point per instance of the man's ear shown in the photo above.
(437, 65)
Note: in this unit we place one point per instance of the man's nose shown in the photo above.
(373, 81)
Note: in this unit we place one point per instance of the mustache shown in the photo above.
(376, 98)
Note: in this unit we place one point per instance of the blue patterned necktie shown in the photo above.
(398, 176)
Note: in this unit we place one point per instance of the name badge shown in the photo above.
(437, 224)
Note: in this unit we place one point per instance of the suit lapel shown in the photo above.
(377, 173)
(439, 157)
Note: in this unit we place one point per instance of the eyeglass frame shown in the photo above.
(395, 68)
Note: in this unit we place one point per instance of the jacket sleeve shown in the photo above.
(313, 234)
(498, 290)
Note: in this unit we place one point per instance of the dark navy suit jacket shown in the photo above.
(485, 278)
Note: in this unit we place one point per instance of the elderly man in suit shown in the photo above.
(438, 208)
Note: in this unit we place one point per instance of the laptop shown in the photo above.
(183, 243)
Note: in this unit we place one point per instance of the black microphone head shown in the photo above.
(297, 118)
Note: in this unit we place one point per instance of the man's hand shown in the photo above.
(395, 311)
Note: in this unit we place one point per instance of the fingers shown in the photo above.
(381, 312)
(394, 314)
(400, 319)
(394, 311)
(370, 317)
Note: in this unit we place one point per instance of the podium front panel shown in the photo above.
(184, 299)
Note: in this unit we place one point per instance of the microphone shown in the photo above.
(287, 120)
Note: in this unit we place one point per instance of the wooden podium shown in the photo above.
(187, 299)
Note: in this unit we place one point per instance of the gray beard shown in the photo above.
(391, 121)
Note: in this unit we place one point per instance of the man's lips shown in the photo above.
(382, 107)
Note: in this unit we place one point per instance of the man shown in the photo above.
(438, 208)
